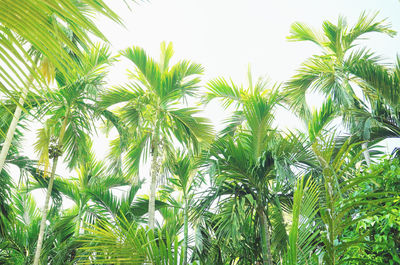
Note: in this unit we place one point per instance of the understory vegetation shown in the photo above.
(251, 193)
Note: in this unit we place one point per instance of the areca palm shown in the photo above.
(18, 246)
(25, 165)
(152, 110)
(251, 163)
(248, 192)
(338, 183)
(303, 237)
(87, 191)
(69, 120)
(185, 169)
(329, 73)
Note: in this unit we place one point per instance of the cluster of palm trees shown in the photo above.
(249, 194)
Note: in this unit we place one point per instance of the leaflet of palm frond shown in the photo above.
(41, 24)
(126, 242)
(303, 236)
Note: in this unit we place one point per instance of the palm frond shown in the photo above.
(148, 71)
(221, 89)
(303, 235)
(301, 32)
(190, 128)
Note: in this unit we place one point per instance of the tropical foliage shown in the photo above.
(173, 191)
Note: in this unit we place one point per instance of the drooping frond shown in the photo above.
(228, 93)
(43, 28)
(189, 128)
(321, 119)
(148, 71)
(301, 32)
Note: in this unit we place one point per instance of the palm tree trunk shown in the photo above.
(185, 232)
(78, 223)
(155, 169)
(265, 238)
(13, 125)
(44, 213)
(49, 189)
(366, 154)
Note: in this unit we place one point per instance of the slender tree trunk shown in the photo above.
(49, 189)
(185, 232)
(44, 213)
(78, 223)
(155, 169)
(366, 154)
(13, 125)
(265, 238)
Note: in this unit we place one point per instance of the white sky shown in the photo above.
(226, 35)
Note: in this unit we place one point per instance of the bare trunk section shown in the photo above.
(366, 154)
(44, 213)
(13, 126)
(266, 244)
(78, 222)
(185, 232)
(49, 189)
(155, 169)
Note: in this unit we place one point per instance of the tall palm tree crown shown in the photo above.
(153, 113)
(69, 121)
(246, 158)
(328, 73)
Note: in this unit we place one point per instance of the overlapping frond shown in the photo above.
(43, 28)
(189, 128)
(125, 242)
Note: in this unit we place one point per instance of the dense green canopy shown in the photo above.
(173, 190)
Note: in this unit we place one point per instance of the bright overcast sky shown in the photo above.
(227, 35)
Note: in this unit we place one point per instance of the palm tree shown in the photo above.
(25, 165)
(153, 112)
(248, 192)
(19, 243)
(70, 116)
(88, 191)
(250, 184)
(184, 169)
(336, 175)
(329, 73)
